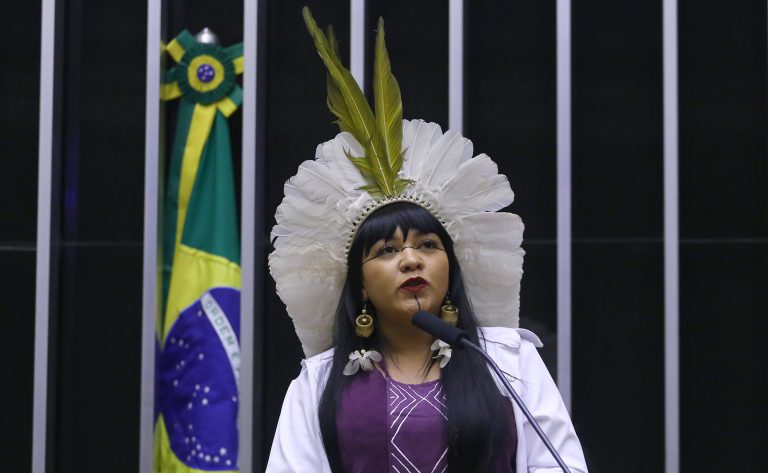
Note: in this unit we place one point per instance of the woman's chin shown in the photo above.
(404, 308)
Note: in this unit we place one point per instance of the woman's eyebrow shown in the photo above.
(381, 241)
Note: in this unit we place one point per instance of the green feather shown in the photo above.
(389, 106)
(335, 100)
(332, 41)
(374, 190)
(398, 162)
(355, 108)
(347, 102)
(338, 107)
(362, 163)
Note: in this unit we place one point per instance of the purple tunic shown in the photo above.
(385, 426)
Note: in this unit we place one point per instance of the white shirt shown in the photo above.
(298, 444)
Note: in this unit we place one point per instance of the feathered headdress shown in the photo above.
(378, 159)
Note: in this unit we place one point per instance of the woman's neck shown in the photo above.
(408, 355)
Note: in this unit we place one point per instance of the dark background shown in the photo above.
(510, 114)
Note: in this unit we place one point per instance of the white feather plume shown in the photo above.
(418, 138)
(480, 187)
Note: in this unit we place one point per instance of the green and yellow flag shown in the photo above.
(198, 331)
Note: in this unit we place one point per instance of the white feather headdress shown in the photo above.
(329, 197)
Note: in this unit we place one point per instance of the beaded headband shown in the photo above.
(373, 207)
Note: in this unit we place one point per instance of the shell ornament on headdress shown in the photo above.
(379, 159)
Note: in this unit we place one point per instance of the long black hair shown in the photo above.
(478, 422)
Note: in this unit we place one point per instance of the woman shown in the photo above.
(388, 219)
(403, 259)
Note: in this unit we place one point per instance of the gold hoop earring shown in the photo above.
(364, 323)
(449, 313)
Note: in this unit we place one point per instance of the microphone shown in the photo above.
(435, 326)
(458, 338)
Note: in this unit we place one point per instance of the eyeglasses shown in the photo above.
(389, 251)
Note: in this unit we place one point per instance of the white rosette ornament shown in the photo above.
(361, 360)
(401, 161)
(443, 352)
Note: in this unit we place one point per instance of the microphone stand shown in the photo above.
(459, 338)
(465, 342)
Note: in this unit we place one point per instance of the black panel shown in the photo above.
(510, 101)
(17, 343)
(617, 119)
(97, 294)
(724, 302)
(225, 18)
(510, 114)
(417, 42)
(99, 358)
(538, 298)
(618, 265)
(19, 94)
(297, 120)
(724, 226)
(723, 119)
(618, 357)
(103, 149)
(19, 91)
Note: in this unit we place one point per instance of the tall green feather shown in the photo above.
(389, 106)
(335, 100)
(347, 102)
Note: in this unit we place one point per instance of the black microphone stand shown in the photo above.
(459, 338)
(468, 344)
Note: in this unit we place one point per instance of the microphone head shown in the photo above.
(436, 327)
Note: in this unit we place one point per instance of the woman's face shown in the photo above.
(397, 271)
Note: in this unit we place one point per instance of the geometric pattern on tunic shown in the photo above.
(409, 404)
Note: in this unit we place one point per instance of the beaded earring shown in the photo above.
(362, 359)
(364, 323)
(449, 313)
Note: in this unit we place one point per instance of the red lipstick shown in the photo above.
(414, 285)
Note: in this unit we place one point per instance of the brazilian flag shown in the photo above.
(198, 361)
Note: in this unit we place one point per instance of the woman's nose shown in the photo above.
(410, 259)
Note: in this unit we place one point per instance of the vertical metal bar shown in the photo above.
(357, 40)
(151, 266)
(248, 239)
(43, 263)
(456, 66)
(671, 244)
(564, 199)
